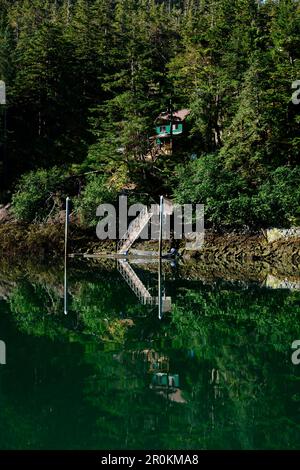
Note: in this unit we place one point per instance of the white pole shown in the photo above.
(2, 93)
(161, 211)
(66, 255)
(159, 290)
(67, 225)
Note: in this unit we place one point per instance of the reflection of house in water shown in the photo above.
(156, 361)
(163, 382)
(153, 360)
(167, 385)
(161, 379)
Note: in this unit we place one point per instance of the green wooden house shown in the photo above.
(169, 127)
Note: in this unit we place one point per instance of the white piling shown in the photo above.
(161, 215)
(67, 221)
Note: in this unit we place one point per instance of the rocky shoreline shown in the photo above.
(249, 247)
(47, 241)
(271, 261)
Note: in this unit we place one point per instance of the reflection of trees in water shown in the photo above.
(238, 385)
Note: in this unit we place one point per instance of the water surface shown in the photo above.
(214, 372)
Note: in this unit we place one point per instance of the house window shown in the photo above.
(163, 129)
(175, 127)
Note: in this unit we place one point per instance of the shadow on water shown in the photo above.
(147, 356)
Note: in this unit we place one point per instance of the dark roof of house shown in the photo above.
(179, 115)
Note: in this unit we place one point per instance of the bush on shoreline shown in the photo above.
(37, 195)
(231, 200)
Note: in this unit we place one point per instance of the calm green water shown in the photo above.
(214, 373)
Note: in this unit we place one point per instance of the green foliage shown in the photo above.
(206, 181)
(86, 80)
(278, 200)
(38, 194)
(98, 190)
(231, 201)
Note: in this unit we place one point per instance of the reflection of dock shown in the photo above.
(134, 281)
(140, 289)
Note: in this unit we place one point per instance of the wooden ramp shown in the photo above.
(138, 224)
(134, 281)
(134, 230)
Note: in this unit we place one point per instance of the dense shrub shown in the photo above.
(234, 200)
(278, 201)
(38, 194)
(98, 190)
